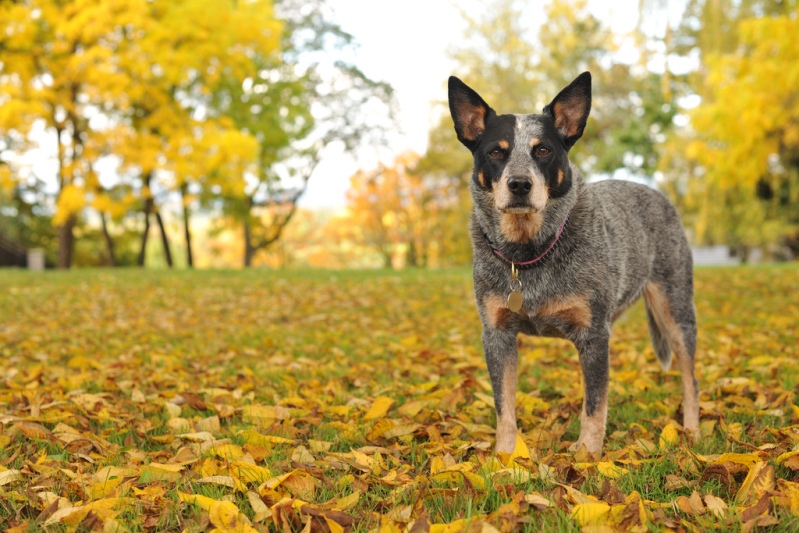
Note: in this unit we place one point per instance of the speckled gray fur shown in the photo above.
(620, 237)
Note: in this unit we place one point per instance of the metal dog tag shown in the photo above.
(515, 297)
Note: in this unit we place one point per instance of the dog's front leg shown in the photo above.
(502, 361)
(595, 362)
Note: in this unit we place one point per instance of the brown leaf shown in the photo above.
(194, 400)
(611, 494)
(719, 472)
(33, 430)
(676, 482)
(763, 505)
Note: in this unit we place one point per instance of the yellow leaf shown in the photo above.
(334, 526)
(9, 476)
(610, 470)
(453, 527)
(758, 481)
(230, 452)
(256, 439)
(228, 519)
(520, 449)
(347, 502)
(592, 513)
(264, 414)
(249, 473)
(669, 437)
(379, 408)
(745, 459)
(410, 409)
(260, 509)
(203, 502)
(160, 472)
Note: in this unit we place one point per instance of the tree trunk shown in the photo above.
(66, 242)
(249, 250)
(143, 247)
(148, 208)
(412, 258)
(109, 242)
(186, 227)
(164, 238)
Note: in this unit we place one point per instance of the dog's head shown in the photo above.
(521, 164)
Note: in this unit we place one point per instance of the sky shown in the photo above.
(411, 53)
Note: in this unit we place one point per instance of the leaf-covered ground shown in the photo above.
(359, 401)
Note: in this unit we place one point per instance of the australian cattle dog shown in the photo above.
(557, 257)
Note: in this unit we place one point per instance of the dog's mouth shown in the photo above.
(518, 210)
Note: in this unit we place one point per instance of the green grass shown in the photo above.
(325, 344)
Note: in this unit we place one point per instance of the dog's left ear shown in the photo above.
(570, 109)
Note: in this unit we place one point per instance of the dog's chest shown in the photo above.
(543, 312)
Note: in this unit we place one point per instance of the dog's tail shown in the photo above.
(659, 342)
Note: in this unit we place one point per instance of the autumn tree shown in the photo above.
(295, 106)
(732, 170)
(397, 206)
(130, 80)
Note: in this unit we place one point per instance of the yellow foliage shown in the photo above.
(70, 202)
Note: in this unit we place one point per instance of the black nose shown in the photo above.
(519, 185)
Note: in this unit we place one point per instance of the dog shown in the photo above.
(557, 257)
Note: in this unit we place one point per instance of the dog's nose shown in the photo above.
(520, 185)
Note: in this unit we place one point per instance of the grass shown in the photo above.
(132, 368)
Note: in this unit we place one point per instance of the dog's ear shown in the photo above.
(570, 109)
(469, 112)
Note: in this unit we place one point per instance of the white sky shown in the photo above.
(406, 44)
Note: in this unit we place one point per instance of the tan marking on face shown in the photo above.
(496, 311)
(504, 144)
(560, 176)
(481, 178)
(574, 310)
(506, 422)
(659, 305)
(534, 141)
(520, 228)
(592, 428)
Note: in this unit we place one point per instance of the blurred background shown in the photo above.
(237, 133)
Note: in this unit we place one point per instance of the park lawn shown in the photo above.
(330, 401)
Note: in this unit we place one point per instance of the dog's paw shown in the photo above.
(584, 453)
(692, 435)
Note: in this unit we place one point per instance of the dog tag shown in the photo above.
(515, 301)
(515, 297)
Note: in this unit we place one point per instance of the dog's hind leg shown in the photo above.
(659, 342)
(671, 307)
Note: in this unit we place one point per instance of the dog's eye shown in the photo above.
(496, 152)
(542, 151)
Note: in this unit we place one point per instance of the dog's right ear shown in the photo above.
(469, 112)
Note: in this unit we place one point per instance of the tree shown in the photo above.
(396, 206)
(747, 137)
(129, 79)
(295, 106)
(731, 170)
